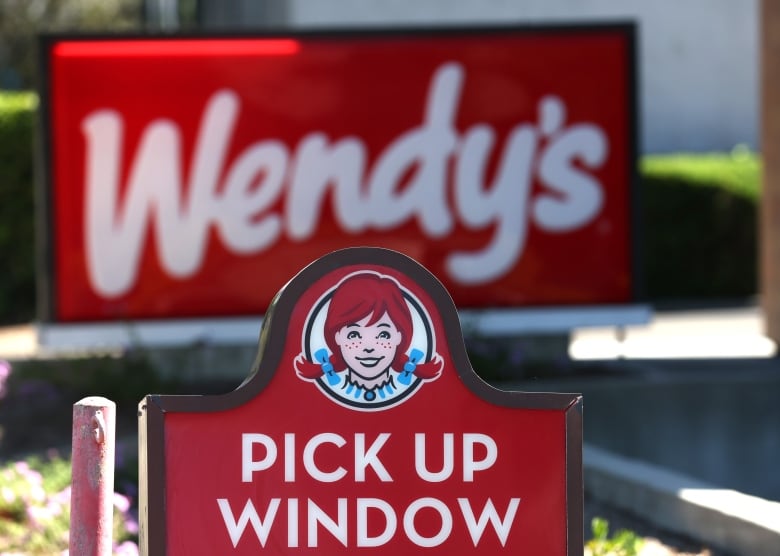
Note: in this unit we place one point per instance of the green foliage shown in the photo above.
(622, 543)
(737, 172)
(22, 20)
(35, 509)
(699, 225)
(17, 229)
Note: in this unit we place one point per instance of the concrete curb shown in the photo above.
(722, 518)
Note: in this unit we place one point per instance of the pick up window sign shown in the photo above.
(502, 159)
(362, 429)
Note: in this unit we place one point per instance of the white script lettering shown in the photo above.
(242, 198)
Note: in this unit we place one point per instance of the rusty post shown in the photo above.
(92, 488)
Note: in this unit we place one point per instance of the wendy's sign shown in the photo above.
(178, 167)
(362, 429)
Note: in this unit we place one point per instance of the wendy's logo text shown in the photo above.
(544, 174)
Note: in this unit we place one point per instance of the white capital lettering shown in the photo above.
(370, 458)
(477, 527)
(470, 465)
(411, 530)
(248, 465)
(261, 527)
(337, 528)
(391, 522)
(292, 522)
(289, 457)
(308, 457)
(448, 459)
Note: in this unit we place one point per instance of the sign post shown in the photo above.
(362, 428)
(92, 493)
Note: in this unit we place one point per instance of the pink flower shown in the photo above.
(5, 372)
(131, 526)
(121, 502)
(32, 476)
(63, 496)
(127, 548)
(8, 495)
(53, 507)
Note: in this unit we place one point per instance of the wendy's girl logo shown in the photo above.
(368, 343)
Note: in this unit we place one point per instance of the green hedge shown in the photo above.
(697, 227)
(17, 228)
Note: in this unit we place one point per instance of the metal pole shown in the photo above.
(92, 487)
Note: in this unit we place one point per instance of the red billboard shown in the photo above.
(188, 177)
(362, 429)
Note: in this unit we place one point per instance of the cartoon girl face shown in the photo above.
(368, 328)
(369, 362)
(369, 346)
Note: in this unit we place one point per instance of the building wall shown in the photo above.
(698, 71)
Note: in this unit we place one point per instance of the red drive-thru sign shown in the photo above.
(178, 168)
(362, 429)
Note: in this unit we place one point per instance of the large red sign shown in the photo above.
(191, 176)
(362, 429)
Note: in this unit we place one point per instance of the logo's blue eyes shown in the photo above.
(353, 335)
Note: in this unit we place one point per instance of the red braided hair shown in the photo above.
(368, 295)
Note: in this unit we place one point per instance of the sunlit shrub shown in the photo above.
(35, 509)
(622, 543)
(698, 233)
